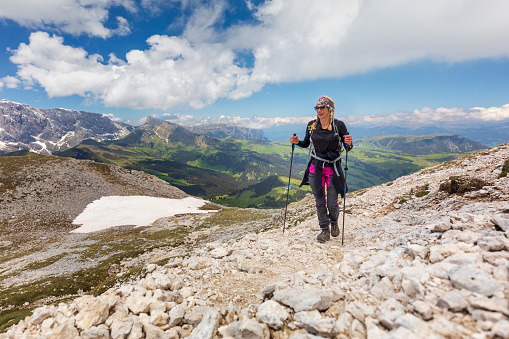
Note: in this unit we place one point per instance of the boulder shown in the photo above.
(246, 328)
(475, 279)
(313, 322)
(96, 332)
(177, 314)
(194, 316)
(453, 301)
(501, 220)
(207, 326)
(138, 303)
(305, 299)
(272, 313)
(93, 311)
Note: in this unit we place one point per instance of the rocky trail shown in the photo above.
(424, 256)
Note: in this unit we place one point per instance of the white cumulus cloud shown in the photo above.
(9, 82)
(70, 16)
(425, 116)
(428, 116)
(171, 72)
(292, 40)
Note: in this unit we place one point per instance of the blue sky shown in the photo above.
(259, 63)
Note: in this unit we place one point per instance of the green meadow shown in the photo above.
(233, 172)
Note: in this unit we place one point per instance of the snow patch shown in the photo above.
(114, 211)
(5, 101)
(63, 140)
(40, 143)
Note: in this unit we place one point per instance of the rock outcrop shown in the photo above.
(413, 265)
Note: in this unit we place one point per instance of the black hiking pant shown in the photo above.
(327, 212)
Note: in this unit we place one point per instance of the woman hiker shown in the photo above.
(324, 174)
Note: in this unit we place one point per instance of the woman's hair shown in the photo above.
(329, 103)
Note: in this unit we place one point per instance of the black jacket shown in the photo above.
(327, 146)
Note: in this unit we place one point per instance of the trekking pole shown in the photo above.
(288, 190)
(344, 197)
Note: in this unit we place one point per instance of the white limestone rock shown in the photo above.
(305, 300)
(384, 289)
(501, 328)
(475, 279)
(245, 328)
(93, 311)
(42, 314)
(153, 332)
(177, 314)
(220, 252)
(313, 322)
(138, 303)
(494, 304)
(194, 316)
(413, 288)
(96, 332)
(423, 309)
(208, 325)
(501, 220)
(417, 251)
(453, 301)
(272, 313)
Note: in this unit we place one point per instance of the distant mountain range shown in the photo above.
(422, 144)
(222, 131)
(45, 131)
(486, 133)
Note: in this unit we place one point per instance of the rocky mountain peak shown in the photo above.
(46, 131)
(151, 121)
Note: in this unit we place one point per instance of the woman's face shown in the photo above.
(322, 111)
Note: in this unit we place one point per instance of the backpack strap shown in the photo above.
(336, 134)
(312, 151)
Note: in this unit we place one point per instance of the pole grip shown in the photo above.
(345, 144)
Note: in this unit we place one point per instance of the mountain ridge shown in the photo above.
(425, 144)
(48, 130)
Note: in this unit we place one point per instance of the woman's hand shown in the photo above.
(348, 139)
(294, 139)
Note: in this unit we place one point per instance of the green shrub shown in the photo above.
(505, 169)
(421, 193)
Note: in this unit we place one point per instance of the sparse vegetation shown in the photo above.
(421, 194)
(505, 169)
(461, 185)
(421, 191)
(401, 200)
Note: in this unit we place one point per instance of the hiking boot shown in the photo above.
(324, 235)
(334, 228)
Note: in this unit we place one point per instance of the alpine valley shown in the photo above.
(231, 165)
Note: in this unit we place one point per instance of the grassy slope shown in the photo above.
(224, 171)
